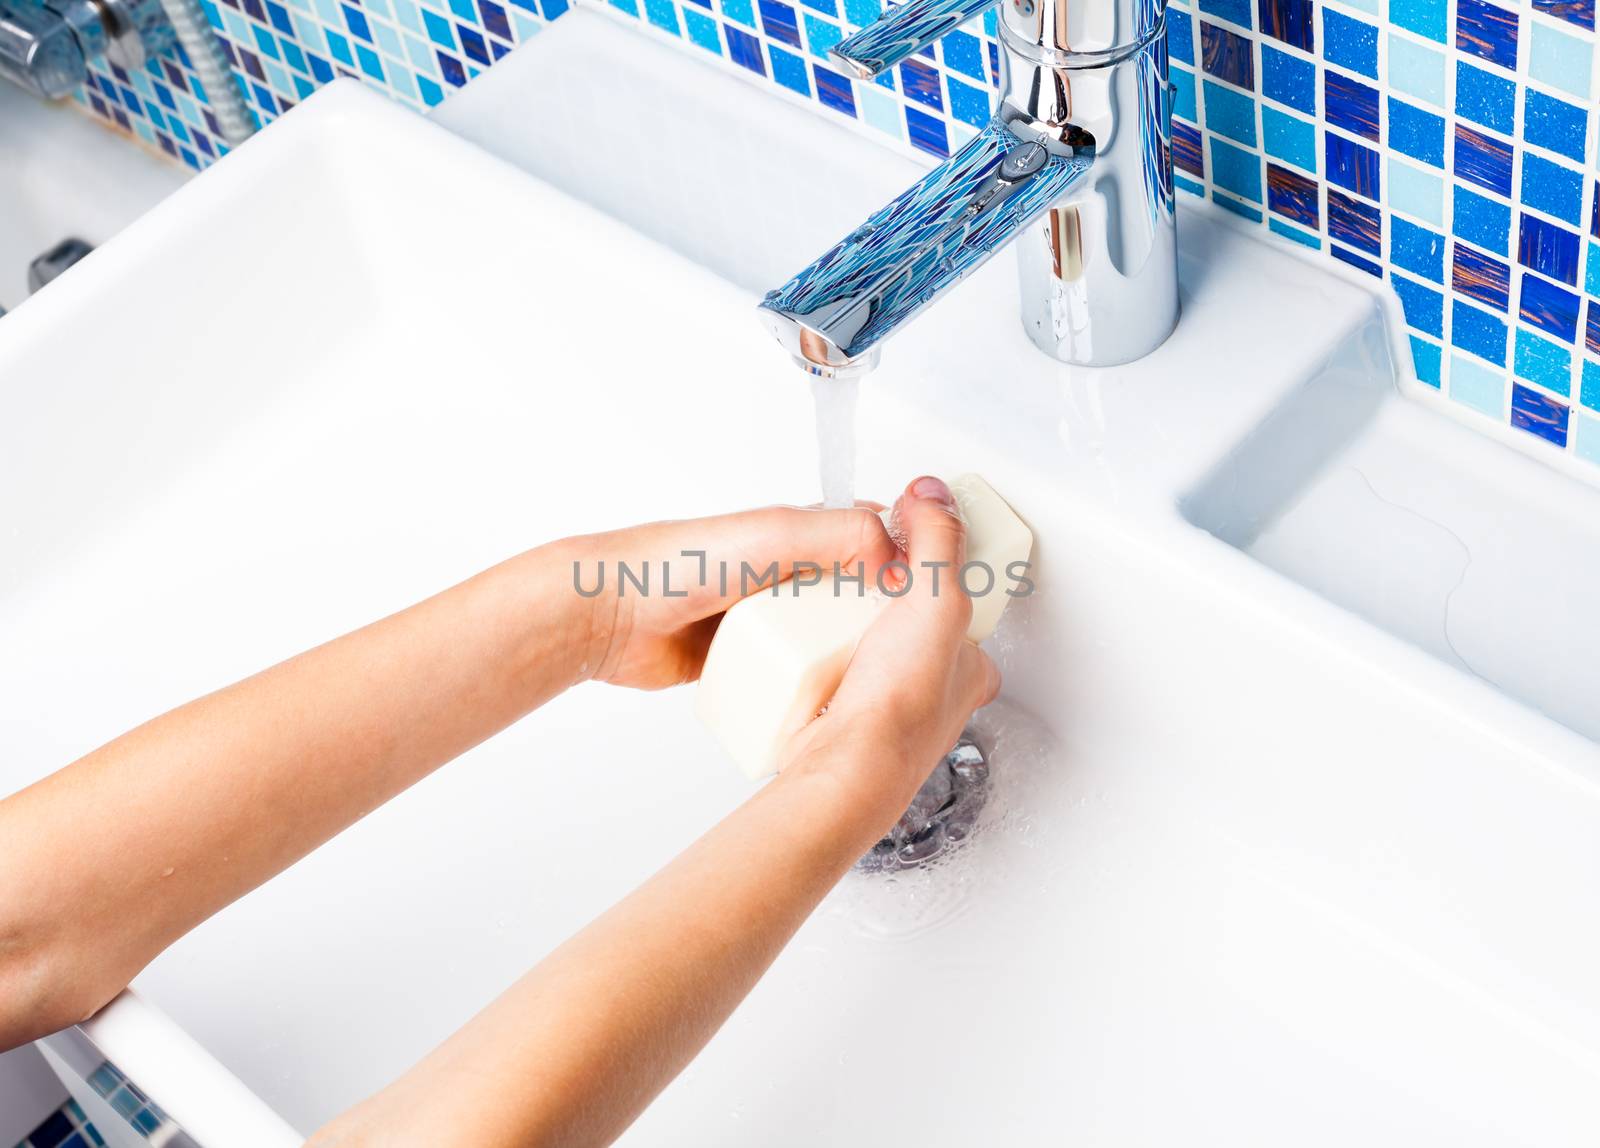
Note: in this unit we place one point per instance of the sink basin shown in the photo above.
(1253, 867)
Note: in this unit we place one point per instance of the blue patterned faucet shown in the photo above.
(1075, 166)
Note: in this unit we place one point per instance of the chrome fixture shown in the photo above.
(49, 266)
(46, 47)
(1076, 166)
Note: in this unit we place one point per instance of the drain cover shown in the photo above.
(943, 812)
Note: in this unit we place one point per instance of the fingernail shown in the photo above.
(934, 489)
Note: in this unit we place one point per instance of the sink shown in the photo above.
(1254, 866)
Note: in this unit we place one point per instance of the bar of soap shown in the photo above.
(778, 658)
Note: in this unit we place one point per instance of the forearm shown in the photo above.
(588, 1038)
(215, 797)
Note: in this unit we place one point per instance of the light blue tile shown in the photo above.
(1289, 138)
(880, 111)
(406, 13)
(1474, 385)
(1560, 60)
(1417, 70)
(1416, 192)
(1540, 361)
(1588, 446)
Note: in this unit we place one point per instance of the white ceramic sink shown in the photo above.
(1256, 871)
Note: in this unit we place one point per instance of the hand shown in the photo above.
(649, 640)
(914, 679)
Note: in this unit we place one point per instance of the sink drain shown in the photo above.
(942, 814)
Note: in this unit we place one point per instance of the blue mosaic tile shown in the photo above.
(1487, 31)
(1349, 43)
(1290, 21)
(1293, 196)
(1548, 307)
(1483, 160)
(1485, 98)
(1350, 104)
(1482, 221)
(1540, 361)
(1233, 11)
(1236, 170)
(1554, 124)
(1427, 358)
(1538, 414)
(1424, 17)
(1552, 188)
(1288, 79)
(1227, 55)
(1578, 12)
(1478, 332)
(1416, 249)
(1547, 248)
(1289, 138)
(1356, 223)
(1481, 277)
(1416, 133)
(1351, 165)
(1230, 113)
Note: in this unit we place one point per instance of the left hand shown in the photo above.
(650, 641)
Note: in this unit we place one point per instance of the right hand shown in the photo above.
(914, 680)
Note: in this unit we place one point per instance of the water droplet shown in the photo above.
(168, 871)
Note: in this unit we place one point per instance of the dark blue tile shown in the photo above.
(322, 71)
(1289, 79)
(1226, 55)
(1487, 31)
(495, 19)
(1591, 336)
(1293, 196)
(1186, 150)
(1416, 249)
(1594, 214)
(1538, 414)
(1478, 331)
(279, 16)
(1483, 160)
(1349, 43)
(1351, 165)
(1479, 277)
(834, 90)
(921, 83)
(55, 1128)
(779, 21)
(927, 133)
(1354, 260)
(472, 44)
(745, 50)
(1356, 223)
(1547, 248)
(1485, 98)
(1579, 12)
(1554, 124)
(1424, 307)
(1350, 104)
(451, 69)
(1416, 133)
(1289, 21)
(1551, 309)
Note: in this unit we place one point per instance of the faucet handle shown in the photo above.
(903, 31)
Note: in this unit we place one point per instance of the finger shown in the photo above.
(935, 540)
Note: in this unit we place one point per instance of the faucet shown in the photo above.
(46, 46)
(1075, 165)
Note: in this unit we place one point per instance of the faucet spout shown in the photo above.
(832, 315)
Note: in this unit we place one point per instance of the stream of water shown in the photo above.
(836, 439)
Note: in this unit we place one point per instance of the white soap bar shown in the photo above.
(778, 658)
(996, 539)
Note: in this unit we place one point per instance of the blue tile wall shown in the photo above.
(67, 1127)
(1445, 147)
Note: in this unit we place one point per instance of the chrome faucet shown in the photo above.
(1076, 165)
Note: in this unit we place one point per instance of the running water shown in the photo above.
(836, 439)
